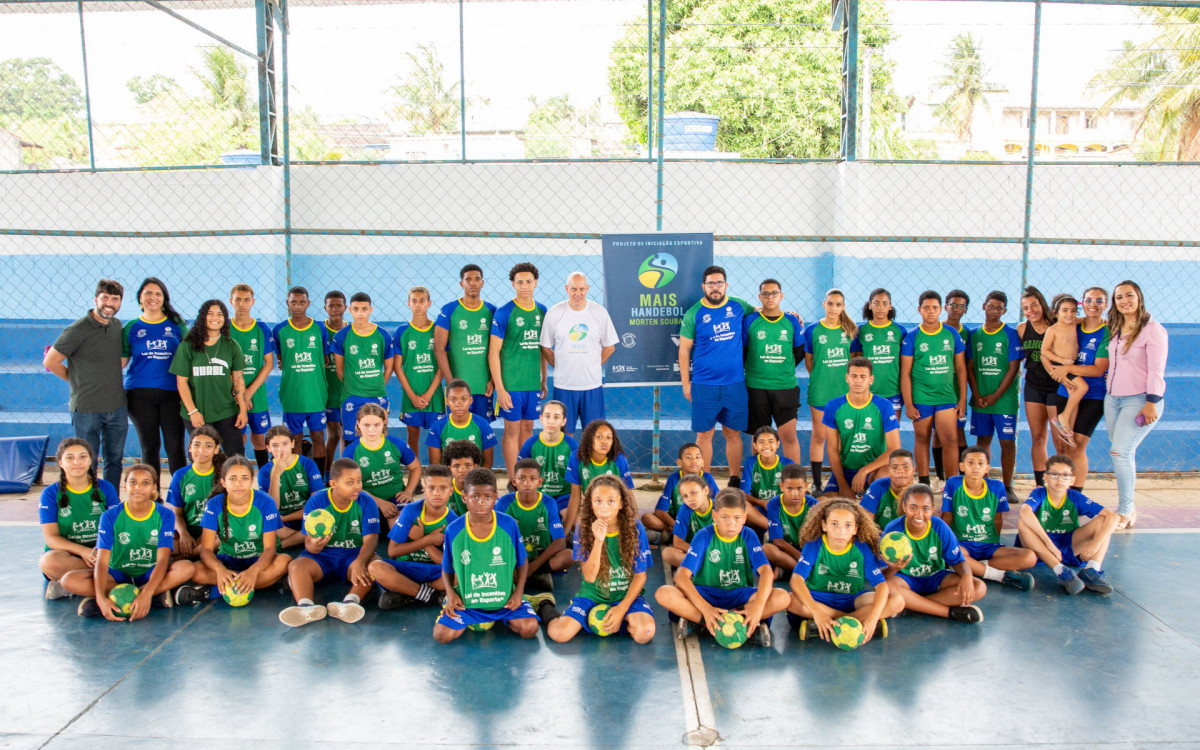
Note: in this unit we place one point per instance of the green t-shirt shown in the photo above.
(521, 353)
(553, 460)
(839, 572)
(881, 345)
(383, 468)
(726, 563)
(241, 536)
(415, 348)
(135, 541)
(79, 520)
(301, 352)
(468, 337)
(363, 360)
(989, 356)
(974, 516)
(428, 526)
(456, 502)
(209, 374)
(693, 521)
(483, 567)
(934, 381)
(294, 487)
(830, 349)
(764, 480)
(862, 429)
(789, 525)
(619, 576)
(255, 343)
(347, 525)
(335, 394)
(189, 492)
(534, 523)
(927, 553)
(1058, 519)
(770, 351)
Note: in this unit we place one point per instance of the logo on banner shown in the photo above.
(628, 340)
(658, 270)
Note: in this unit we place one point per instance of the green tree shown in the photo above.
(227, 83)
(965, 87)
(34, 88)
(770, 69)
(554, 124)
(1162, 74)
(152, 87)
(423, 98)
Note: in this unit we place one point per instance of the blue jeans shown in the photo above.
(1125, 436)
(109, 427)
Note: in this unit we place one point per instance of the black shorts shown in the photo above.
(766, 405)
(1035, 395)
(1091, 411)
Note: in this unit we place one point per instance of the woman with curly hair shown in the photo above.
(839, 559)
(613, 554)
(208, 370)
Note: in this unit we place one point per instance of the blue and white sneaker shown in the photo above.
(1070, 581)
(1095, 581)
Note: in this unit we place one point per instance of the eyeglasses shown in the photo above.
(769, 295)
(714, 284)
(956, 307)
(1093, 300)
(1058, 475)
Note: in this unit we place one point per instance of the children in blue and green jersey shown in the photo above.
(994, 357)
(1049, 524)
(237, 548)
(515, 361)
(460, 423)
(718, 575)
(713, 370)
(762, 471)
(613, 555)
(933, 381)
(362, 353)
(461, 338)
(290, 480)
(148, 346)
(552, 449)
(882, 498)
(974, 506)
(599, 453)
(133, 545)
(462, 456)
(880, 341)
(786, 514)
(957, 304)
(302, 344)
(417, 369)
(695, 513)
(838, 573)
(69, 512)
(862, 430)
(191, 487)
(660, 521)
(773, 343)
(257, 343)
(414, 574)
(537, 517)
(340, 555)
(389, 468)
(335, 312)
(826, 356)
(935, 579)
(483, 567)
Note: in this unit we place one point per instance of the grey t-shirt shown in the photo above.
(93, 353)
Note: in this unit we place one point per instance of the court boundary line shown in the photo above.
(697, 702)
(122, 678)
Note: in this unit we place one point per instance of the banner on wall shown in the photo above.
(650, 280)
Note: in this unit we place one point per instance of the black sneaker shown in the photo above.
(969, 613)
(88, 608)
(389, 600)
(763, 635)
(881, 628)
(683, 628)
(1018, 579)
(163, 600)
(191, 593)
(543, 581)
(808, 629)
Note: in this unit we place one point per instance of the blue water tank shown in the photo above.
(243, 157)
(690, 131)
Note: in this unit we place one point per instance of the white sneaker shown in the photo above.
(346, 611)
(55, 590)
(298, 615)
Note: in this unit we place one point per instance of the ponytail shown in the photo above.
(844, 319)
(233, 461)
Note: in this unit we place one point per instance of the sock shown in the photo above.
(735, 481)
(304, 603)
(425, 593)
(262, 457)
(938, 465)
(991, 574)
(351, 599)
(816, 474)
(1058, 569)
(546, 612)
(1039, 478)
(923, 479)
(1077, 489)
(1093, 565)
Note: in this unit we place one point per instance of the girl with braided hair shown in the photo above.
(70, 512)
(192, 486)
(237, 542)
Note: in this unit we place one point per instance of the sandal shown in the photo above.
(1127, 522)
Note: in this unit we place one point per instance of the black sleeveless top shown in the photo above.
(1035, 375)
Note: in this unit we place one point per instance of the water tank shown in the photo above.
(690, 131)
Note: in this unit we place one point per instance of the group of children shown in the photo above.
(462, 546)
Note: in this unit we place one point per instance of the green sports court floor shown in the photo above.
(1121, 671)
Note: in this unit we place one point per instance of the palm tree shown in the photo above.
(226, 82)
(964, 82)
(423, 98)
(1163, 75)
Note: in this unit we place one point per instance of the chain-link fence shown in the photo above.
(379, 146)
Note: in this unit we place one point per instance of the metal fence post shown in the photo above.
(1033, 98)
(650, 80)
(287, 152)
(264, 19)
(87, 90)
(662, 87)
(462, 79)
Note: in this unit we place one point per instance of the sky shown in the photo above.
(343, 59)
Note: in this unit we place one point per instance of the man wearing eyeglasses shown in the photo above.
(712, 328)
(774, 344)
